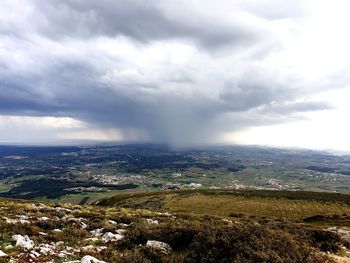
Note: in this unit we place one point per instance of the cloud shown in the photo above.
(32, 130)
(144, 22)
(179, 72)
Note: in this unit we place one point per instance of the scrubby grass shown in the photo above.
(215, 240)
(281, 205)
(254, 206)
(199, 226)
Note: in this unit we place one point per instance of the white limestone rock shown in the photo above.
(23, 241)
(97, 232)
(62, 254)
(16, 221)
(163, 247)
(124, 225)
(151, 221)
(112, 222)
(110, 237)
(91, 239)
(34, 254)
(90, 259)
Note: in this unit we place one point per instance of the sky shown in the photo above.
(182, 72)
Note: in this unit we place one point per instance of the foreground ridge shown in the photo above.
(149, 227)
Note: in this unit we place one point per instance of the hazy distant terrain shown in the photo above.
(84, 174)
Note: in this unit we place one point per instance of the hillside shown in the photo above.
(179, 226)
(278, 205)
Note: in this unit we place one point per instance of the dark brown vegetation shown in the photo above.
(212, 241)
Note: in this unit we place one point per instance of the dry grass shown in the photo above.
(254, 206)
(332, 209)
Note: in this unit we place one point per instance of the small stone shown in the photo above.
(151, 221)
(23, 242)
(90, 259)
(110, 237)
(163, 247)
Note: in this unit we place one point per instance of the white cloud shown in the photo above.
(48, 122)
(328, 130)
(29, 129)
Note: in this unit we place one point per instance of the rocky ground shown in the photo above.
(43, 232)
(37, 232)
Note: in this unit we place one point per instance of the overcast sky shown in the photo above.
(270, 72)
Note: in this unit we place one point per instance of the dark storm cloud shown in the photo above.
(166, 117)
(288, 108)
(244, 96)
(143, 21)
(64, 60)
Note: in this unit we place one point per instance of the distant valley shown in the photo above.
(89, 173)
